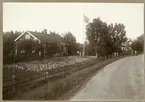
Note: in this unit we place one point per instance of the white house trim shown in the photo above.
(33, 35)
(19, 36)
(29, 34)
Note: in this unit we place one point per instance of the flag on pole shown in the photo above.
(86, 19)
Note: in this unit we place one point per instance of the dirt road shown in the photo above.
(122, 79)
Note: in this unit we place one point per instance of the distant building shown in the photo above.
(126, 46)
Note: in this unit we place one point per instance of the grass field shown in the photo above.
(53, 89)
(37, 66)
(28, 70)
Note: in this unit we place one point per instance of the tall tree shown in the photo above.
(96, 33)
(104, 38)
(8, 43)
(118, 36)
(69, 38)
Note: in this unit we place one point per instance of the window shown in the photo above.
(33, 51)
(22, 51)
(27, 36)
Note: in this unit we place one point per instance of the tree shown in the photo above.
(8, 43)
(8, 47)
(97, 33)
(118, 36)
(138, 43)
(104, 38)
(89, 50)
(79, 47)
(70, 39)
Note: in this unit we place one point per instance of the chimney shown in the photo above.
(45, 31)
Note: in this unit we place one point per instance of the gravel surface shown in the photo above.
(122, 79)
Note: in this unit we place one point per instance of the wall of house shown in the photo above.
(27, 45)
(64, 49)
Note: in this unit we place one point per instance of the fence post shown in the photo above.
(44, 59)
(46, 74)
(13, 79)
(45, 71)
(13, 76)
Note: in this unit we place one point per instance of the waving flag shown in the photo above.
(86, 19)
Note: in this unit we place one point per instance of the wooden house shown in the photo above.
(39, 43)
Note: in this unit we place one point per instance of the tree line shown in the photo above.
(105, 39)
(102, 39)
(138, 43)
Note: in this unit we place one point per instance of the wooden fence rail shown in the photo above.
(46, 74)
(40, 77)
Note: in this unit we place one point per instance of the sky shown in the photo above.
(64, 17)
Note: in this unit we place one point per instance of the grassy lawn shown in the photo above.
(54, 90)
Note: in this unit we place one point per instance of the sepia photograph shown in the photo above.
(73, 51)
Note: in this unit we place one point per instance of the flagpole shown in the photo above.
(83, 36)
(86, 20)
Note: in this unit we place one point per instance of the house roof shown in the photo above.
(48, 38)
(27, 33)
